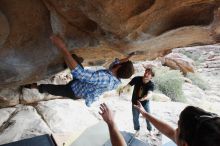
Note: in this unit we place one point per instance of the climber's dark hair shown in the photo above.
(126, 70)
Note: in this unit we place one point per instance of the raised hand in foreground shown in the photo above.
(115, 135)
(106, 114)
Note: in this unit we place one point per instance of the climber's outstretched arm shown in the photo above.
(59, 43)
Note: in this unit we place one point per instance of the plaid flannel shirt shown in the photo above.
(91, 84)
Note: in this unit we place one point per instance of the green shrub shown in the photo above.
(197, 80)
(169, 82)
(198, 58)
(192, 55)
(126, 90)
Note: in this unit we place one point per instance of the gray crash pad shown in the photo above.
(98, 135)
(167, 142)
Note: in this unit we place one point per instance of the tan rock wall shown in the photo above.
(150, 27)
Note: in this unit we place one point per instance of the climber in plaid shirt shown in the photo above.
(88, 84)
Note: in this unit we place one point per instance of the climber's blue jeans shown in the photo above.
(136, 114)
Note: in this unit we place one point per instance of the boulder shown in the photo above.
(9, 97)
(5, 114)
(24, 123)
(31, 96)
(180, 62)
(65, 115)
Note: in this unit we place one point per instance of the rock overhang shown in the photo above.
(97, 31)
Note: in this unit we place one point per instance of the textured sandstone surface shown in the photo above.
(180, 62)
(98, 31)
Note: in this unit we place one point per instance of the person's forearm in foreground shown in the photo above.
(116, 137)
(163, 127)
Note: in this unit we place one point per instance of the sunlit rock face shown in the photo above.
(98, 31)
